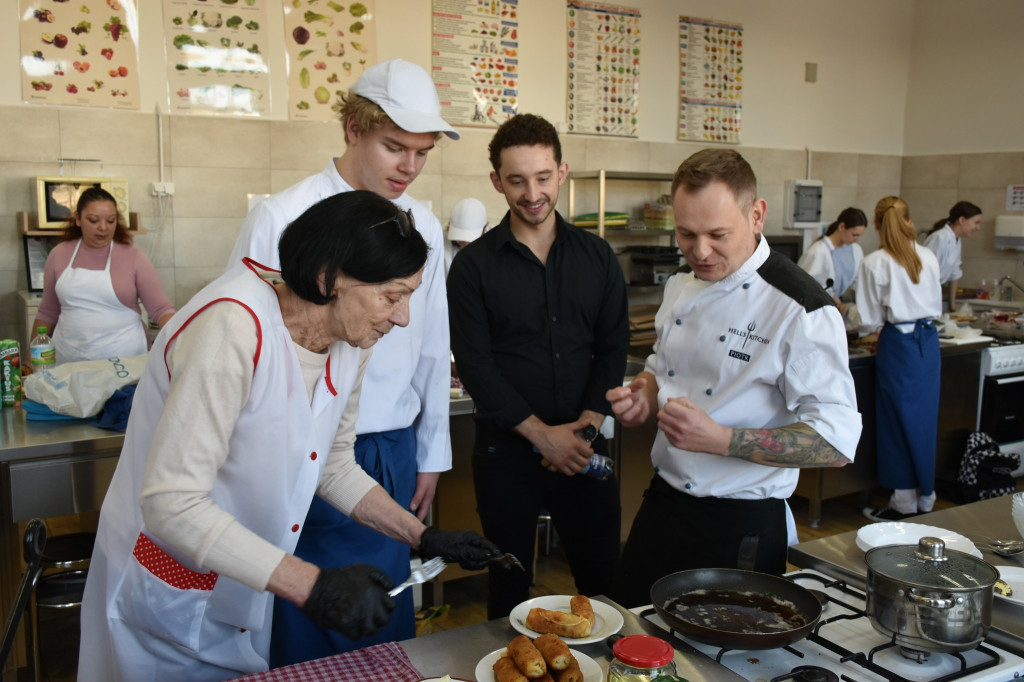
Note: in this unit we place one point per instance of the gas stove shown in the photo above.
(845, 646)
(1003, 356)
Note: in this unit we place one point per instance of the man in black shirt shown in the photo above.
(540, 331)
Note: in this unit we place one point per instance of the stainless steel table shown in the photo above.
(457, 652)
(839, 556)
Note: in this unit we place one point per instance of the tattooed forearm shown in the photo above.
(796, 445)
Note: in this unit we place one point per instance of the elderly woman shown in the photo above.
(246, 410)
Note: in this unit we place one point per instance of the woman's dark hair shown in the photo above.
(850, 217)
(961, 209)
(90, 196)
(358, 233)
(523, 130)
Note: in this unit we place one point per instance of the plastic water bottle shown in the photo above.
(601, 467)
(982, 292)
(41, 351)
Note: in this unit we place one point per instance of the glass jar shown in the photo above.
(641, 658)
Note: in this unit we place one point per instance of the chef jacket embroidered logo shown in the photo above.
(747, 335)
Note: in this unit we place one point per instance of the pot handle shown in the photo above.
(931, 602)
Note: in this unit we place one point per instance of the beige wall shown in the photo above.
(856, 146)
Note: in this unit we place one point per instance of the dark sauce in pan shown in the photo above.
(734, 611)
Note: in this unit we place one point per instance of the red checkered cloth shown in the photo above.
(386, 661)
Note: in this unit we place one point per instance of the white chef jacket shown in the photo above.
(946, 246)
(885, 292)
(149, 611)
(408, 380)
(751, 356)
(817, 262)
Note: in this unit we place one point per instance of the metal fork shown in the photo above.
(421, 574)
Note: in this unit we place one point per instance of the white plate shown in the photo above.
(902, 533)
(591, 670)
(1014, 577)
(607, 621)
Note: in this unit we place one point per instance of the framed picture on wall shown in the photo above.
(36, 251)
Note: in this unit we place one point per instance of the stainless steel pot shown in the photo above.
(929, 598)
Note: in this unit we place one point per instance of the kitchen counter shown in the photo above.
(457, 652)
(839, 556)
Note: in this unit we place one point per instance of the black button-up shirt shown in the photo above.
(534, 338)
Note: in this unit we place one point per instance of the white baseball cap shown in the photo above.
(407, 95)
(469, 218)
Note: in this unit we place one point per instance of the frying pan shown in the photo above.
(770, 586)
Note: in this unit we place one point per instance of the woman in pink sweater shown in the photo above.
(92, 284)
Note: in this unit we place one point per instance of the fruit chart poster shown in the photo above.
(80, 52)
(710, 80)
(475, 60)
(604, 69)
(217, 56)
(329, 45)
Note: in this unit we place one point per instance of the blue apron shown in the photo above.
(330, 539)
(907, 406)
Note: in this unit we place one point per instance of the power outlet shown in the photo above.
(163, 189)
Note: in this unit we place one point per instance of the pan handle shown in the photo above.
(747, 557)
(930, 602)
(610, 641)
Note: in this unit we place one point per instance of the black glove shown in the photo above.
(352, 600)
(470, 550)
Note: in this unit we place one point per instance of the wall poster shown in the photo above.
(604, 69)
(329, 45)
(710, 80)
(81, 53)
(475, 60)
(216, 57)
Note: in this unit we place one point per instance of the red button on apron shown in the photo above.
(312, 455)
(295, 528)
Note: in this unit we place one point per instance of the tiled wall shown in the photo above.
(215, 162)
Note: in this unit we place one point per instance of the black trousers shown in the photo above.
(511, 490)
(675, 532)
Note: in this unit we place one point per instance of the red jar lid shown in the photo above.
(643, 651)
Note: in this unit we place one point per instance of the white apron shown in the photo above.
(149, 613)
(93, 323)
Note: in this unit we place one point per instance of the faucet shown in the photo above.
(1007, 278)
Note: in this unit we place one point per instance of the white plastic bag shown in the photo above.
(80, 389)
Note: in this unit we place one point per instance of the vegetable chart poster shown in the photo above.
(80, 53)
(216, 56)
(475, 60)
(604, 69)
(329, 45)
(710, 80)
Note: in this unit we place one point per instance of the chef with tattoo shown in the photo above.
(749, 381)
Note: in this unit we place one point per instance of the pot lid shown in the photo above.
(930, 564)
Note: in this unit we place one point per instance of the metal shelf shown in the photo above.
(602, 176)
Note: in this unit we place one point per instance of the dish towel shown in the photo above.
(386, 661)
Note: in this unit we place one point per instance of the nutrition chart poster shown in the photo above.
(81, 53)
(604, 69)
(217, 57)
(329, 45)
(475, 60)
(710, 80)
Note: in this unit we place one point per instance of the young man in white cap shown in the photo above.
(391, 119)
(468, 221)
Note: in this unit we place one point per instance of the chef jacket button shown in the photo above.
(657, 469)
(678, 321)
(295, 528)
(241, 629)
(688, 486)
(708, 391)
(554, 318)
(746, 285)
(722, 337)
(312, 456)
(558, 356)
(671, 372)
